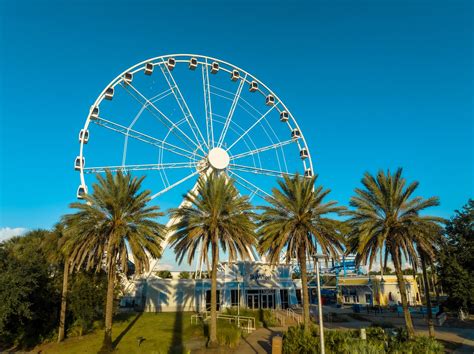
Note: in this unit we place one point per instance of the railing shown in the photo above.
(296, 316)
(280, 318)
(244, 322)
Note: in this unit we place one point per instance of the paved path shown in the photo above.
(260, 341)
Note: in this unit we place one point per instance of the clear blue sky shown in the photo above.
(373, 84)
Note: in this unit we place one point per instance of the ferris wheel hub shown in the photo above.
(218, 158)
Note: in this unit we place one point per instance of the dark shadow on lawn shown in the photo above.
(125, 331)
(177, 340)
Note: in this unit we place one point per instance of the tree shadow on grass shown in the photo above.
(125, 331)
(177, 340)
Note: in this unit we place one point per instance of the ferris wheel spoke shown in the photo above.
(163, 118)
(208, 105)
(251, 127)
(252, 188)
(182, 104)
(131, 133)
(259, 171)
(262, 149)
(231, 112)
(144, 167)
(175, 184)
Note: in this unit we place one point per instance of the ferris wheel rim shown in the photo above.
(139, 66)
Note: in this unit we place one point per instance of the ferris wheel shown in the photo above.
(175, 117)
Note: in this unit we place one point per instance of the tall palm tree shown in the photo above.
(387, 219)
(112, 226)
(295, 222)
(214, 216)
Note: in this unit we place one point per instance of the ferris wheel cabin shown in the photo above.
(127, 78)
(193, 63)
(94, 115)
(78, 163)
(284, 116)
(84, 136)
(149, 69)
(304, 153)
(308, 173)
(81, 192)
(109, 93)
(214, 67)
(234, 76)
(253, 86)
(171, 63)
(270, 100)
(295, 134)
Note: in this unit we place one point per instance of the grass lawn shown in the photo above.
(164, 332)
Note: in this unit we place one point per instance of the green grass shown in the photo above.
(162, 333)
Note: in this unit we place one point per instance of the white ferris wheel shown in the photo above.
(175, 117)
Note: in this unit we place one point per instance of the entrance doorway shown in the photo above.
(252, 301)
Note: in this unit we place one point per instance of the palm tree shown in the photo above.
(295, 222)
(387, 219)
(214, 216)
(114, 225)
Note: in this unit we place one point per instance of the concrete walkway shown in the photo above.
(260, 341)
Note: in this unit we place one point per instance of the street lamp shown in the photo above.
(317, 257)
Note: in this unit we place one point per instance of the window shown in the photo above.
(298, 296)
(368, 298)
(234, 298)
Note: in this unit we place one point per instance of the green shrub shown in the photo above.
(295, 340)
(228, 334)
(419, 345)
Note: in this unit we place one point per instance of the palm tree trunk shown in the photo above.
(109, 308)
(427, 295)
(304, 287)
(403, 294)
(213, 324)
(62, 315)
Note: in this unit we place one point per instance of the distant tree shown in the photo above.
(115, 222)
(184, 275)
(87, 298)
(456, 258)
(164, 274)
(29, 291)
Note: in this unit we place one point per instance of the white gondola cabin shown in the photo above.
(234, 75)
(308, 173)
(78, 163)
(149, 68)
(304, 153)
(270, 100)
(109, 93)
(81, 192)
(94, 113)
(127, 78)
(171, 63)
(253, 86)
(214, 67)
(295, 134)
(84, 136)
(284, 116)
(193, 63)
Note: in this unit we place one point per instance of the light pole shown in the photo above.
(320, 307)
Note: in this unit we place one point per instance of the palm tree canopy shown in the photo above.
(387, 214)
(113, 225)
(296, 218)
(214, 212)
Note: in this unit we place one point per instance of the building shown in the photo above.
(375, 290)
(248, 284)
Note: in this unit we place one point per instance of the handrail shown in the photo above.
(246, 320)
(296, 316)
